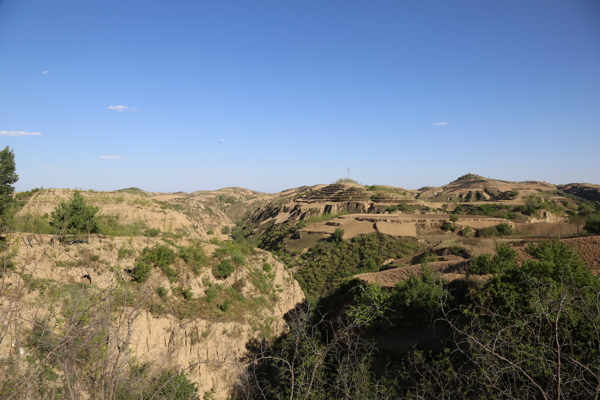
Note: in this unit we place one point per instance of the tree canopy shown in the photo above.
(75, 216)
(8, 177)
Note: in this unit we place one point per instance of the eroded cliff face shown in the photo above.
(85, 288)
(212, 353)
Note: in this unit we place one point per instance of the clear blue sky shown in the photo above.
(268, 95)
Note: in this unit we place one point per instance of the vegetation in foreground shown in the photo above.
(530, 332)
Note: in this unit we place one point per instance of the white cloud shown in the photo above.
(44, 72)
(19, 133)
(441, 123)
(118, 108)
(221, 140)
(113, 157)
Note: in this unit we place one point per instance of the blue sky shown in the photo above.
(269, 95)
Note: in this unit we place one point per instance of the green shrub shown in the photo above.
(75, 216)
(124, 252)
(193, 256)
(417, 299)
(237, 257)
(337, 236)
(447, 226)
(223, 269)
(141, 271)
(152, 232)
(162, 291)
(226, 230)
(185, 293)
(161, 256)
(592, 225)
(504, 229)
(466, 231)
(504, 260)
(210, 232)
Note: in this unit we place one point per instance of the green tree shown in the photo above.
(338, 235)
(8, 177)
(75, 216)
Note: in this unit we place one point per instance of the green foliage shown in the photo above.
(8, 177)
(592, 225)
(32, 222)
(417, 299)
(371, 306)
(194, 256)
(467, 231)
(161, 256)
(504, 259)
(226, 230)
(502, 229)
(141, 271)
(223, 269)
(75, 216)
(162, 291)
(210, 232)
(112, 225)
(165, 385)
(337, 236)
(124, 252)
(534, 328)
(325, 266)
(151, 232)
(310, 364)
(186, 293)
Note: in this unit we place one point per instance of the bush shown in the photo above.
(337, 236)
(141, 271)
(161, 256)
(75, 216)
(223, 269)
(210, 232)
(466, 231)
(193, 256)
(417, 299)
(504, 260)
(153, 232)
(504, 229)
(447, 226)
(592, 226)
(226, 230)
(162, 291)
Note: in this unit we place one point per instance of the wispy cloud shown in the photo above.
(118, 108)
(113, 157)
(221, 140)
(19, 133)
(44, 72)
(441, 123)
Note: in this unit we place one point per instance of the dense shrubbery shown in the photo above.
(328, 264)
(488, 264)
(161, 256)
(412, 302)
(531, 332)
